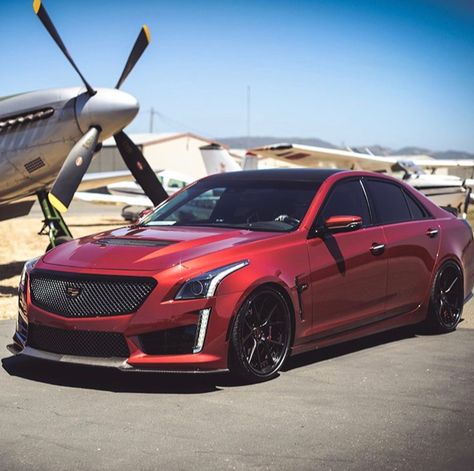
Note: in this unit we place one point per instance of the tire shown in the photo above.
(59, 240)
(446, 299)
(261, 336)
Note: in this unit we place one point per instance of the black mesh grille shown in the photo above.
(88, 295)
(77, 342)
(170, 341)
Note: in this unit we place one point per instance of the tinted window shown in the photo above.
(348, 199)
(248, 204)
(197, 209)
(416, 210)
(388, 201)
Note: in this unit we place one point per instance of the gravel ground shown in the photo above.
(21, 242)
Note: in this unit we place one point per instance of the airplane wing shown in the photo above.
(14, 209)
(311, 156)
(103, 198)
(91, 181)
(444, 163)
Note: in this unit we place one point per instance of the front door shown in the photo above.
(348, 277)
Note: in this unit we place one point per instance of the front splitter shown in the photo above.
(113, 362)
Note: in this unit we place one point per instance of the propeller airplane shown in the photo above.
(48, 139)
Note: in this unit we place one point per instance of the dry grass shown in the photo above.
(20, 242)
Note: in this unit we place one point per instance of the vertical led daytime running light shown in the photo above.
(201, 329)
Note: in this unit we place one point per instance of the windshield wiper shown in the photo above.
(205, 224)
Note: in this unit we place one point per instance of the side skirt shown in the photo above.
(355, 331)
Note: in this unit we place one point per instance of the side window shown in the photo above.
(347, 198)
(198, 209)
(388, 202)
(416, 209)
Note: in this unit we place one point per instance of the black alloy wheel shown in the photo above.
(261, 335)
(447, 298)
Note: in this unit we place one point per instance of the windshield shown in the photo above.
(255, 205)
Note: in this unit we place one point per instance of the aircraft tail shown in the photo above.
(217, 160)
(250, 161)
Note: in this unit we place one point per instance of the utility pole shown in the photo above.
(152, 114)
(248, 116)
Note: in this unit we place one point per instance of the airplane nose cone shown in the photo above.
(110, 109)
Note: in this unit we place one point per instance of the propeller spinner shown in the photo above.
(102, 113)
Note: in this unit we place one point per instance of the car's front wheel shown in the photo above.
(447, 299)
(261, 336)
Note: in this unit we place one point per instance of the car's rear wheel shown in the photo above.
(261, 336)
(447, 298)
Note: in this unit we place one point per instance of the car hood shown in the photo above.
(148, 248)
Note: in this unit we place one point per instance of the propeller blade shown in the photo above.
(73, 169)
(140, 45)
(48, 24)
(140, 168)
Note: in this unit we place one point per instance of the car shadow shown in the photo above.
(109, 379)
(352, 346)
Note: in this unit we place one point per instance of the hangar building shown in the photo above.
(164, 151)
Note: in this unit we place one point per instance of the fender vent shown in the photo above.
(34, 165)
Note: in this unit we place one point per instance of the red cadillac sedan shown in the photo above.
(240, 270)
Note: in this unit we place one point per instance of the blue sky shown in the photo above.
(394, 73)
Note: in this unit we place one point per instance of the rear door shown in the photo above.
(412, 241)
(348, 278)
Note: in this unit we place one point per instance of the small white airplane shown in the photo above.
(48, 139)
(445, 190)
(216, 159)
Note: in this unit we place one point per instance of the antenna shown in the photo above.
(248, 116)
(152, 114)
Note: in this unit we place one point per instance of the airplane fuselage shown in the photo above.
(38, 130)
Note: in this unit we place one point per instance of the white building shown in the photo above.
(178, 152)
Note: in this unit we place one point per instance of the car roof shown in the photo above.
(277, 174)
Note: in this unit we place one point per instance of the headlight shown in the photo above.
(29, 264)
(205, 285)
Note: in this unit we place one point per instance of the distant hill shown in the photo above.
(242, 142)
(453, 154)
(448, 154)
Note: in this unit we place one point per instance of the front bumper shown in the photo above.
(117, 363)
(154, 316)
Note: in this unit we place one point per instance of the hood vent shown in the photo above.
(119, 241)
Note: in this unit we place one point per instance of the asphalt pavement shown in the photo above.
(397, 400)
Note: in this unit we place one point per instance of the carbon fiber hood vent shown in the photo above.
(120, 241)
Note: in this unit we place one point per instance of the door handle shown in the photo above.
(432, 232)
(377, 249)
